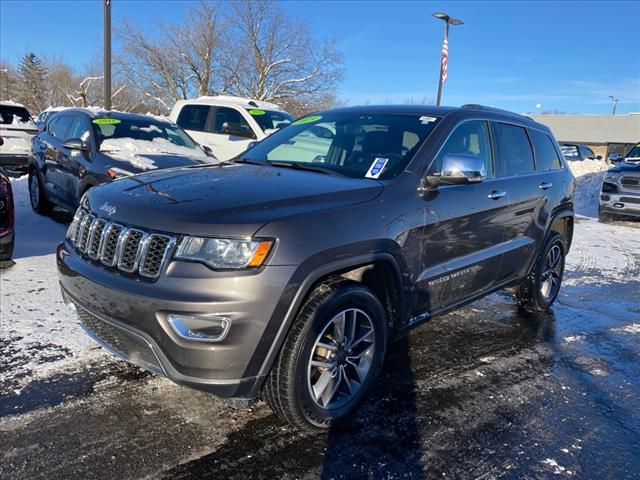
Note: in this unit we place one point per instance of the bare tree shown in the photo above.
(278, 60)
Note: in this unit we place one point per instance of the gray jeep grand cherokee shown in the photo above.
(284, 273)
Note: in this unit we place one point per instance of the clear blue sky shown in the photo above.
(564, 55)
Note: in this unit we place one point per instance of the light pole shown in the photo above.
(6, 79)
(107, 54)
(445, 49)
(615, 103)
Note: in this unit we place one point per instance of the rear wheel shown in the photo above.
(540, 289)
(39, 202)
(331, 358)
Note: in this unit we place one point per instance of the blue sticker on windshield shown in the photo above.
(376, 168)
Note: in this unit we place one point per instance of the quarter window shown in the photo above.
(194, 117)
(470, 138)
(546, 154)
(516, 155)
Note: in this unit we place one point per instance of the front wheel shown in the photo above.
(331, 358)
(540, 289)
(39, 202)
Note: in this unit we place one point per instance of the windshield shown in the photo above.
(114, 134)
(270, 119)
(15, 115)
(348, 143)
(633, 154)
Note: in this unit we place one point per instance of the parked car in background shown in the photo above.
(7, 217)
(43, 116)
(80, 148)
(17, 130)
(576, 152)
(286, 279)
(228, 125)
(620, 192)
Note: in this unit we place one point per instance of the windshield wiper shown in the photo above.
(306, 166)
(246, 160)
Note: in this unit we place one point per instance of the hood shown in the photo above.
(214, 200)
(143, 162)
(627, 167)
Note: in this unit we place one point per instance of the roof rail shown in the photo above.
(493, 109)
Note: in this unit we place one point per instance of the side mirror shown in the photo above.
(75, 144)
(598, 157)
(614, 157)
(208, 151)
(234, 128)
(458, 168)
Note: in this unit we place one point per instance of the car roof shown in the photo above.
(232, 101)
(443, 111)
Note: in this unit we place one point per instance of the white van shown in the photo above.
(226, 124)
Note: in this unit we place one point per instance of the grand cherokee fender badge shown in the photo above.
(107, 208)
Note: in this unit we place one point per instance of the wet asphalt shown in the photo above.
(484, 392)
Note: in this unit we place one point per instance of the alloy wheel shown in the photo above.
(552, 273)
(34, 191)
(341, 358)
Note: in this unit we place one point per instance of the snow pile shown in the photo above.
(589, 175)
(130, 150)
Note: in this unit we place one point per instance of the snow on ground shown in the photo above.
(40, 336)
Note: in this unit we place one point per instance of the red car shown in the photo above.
(6, 217)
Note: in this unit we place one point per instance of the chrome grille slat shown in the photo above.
(129, 249)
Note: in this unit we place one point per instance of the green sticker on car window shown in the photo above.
(309, 119)
(256, 112)
(105, 121)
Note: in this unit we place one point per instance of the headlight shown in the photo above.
(115, 173)
(224, 253)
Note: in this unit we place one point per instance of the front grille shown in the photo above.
(630, 182)
(128, 249)
(630, 200)
(125, 343)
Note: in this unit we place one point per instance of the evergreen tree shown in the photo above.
(33, 76)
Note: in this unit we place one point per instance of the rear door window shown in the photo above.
(194, 117)
(546, 154)
(516, 155)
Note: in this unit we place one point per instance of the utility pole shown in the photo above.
(6, 84)
(615, 103)
(107, 54)
(444, 60)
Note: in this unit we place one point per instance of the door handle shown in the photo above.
(545, 185)
(495, 195)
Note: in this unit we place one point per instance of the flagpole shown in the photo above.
(447, 21)
(440, 80)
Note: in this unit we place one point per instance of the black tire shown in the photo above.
(6, 250)
(39, 201)
(288, 388)
(531, 293)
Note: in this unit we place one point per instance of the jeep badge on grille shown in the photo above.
(107, 208)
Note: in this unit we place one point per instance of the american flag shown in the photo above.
(445, 57)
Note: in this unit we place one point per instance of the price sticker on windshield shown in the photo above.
(105, 121)
(376, 168)
(256, 112)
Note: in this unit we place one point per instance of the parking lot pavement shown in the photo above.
(484, 392)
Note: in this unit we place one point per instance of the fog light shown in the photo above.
(606, 198)
(618, 205)
(200, 328)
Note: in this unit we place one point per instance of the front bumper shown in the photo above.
(128, 316)
(621, 203)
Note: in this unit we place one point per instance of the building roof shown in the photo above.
(593, 129)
